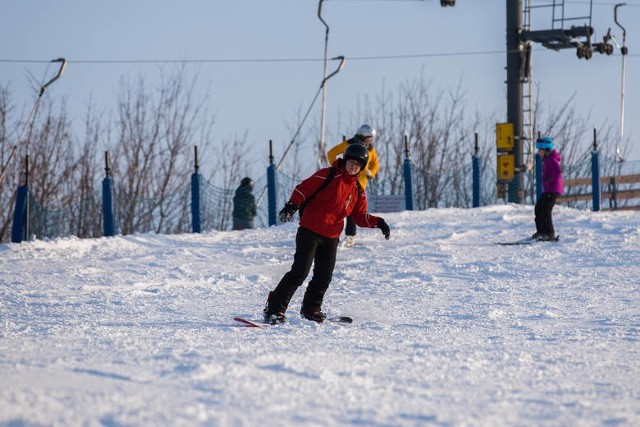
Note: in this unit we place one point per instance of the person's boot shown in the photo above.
(547, 237)
(316, 316)
(349, 241)
(272, 317)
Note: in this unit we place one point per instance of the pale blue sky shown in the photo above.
(265, 98)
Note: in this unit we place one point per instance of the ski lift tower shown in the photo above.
(566, 33)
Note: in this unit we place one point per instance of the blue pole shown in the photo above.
(271, 189)
(19, 215)
(408, 192)
(108, 221)
(196, 179)
(595, 173)
(595, 179)
(538, 178)
(408, 187)
(475, 162)
(196, 224)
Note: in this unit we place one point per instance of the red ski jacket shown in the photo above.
(325, 212)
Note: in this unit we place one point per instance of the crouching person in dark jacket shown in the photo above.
(326, 205)
(244, 205)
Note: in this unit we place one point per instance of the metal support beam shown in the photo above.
(559, 39)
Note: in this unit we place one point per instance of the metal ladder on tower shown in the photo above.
(527, 92)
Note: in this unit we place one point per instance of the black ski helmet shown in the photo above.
(357, 152)
(246, 182)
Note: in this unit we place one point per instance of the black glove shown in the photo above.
(287, 212)
(382, 225)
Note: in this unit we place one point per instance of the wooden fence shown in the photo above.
(621, 192)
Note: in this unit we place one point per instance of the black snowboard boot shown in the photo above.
(548, 238)
(315, 316)
(272, 317)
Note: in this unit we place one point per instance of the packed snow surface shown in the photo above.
(449, 328)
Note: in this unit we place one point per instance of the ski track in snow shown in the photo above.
(450, 329)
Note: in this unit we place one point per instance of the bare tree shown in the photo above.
(231, 165)
(87, 214)
(155, 132)
(441, 136)
(439, 142)
(51, 152)
(9, 182)
(47, 143)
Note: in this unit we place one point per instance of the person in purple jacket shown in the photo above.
(551, 189)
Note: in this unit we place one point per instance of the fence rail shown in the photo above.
(579, 189)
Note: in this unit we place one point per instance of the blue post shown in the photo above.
(108, 220)
(408, 187)
(595, 178)
(538, 177)
(196, 224)
(20, 215)
(271, 187)
(271, 197)
(475, 162)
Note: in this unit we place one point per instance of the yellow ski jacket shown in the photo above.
(368, 172)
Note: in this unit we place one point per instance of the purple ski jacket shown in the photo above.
(552, 173)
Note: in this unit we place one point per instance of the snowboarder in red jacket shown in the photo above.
(321, 223)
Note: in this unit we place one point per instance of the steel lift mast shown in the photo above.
(563, 34)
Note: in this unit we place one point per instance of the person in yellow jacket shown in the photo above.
(364, 135)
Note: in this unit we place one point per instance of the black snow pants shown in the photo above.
(544, 221)
(350, 229)
(311, 248)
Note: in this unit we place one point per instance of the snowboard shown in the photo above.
(255, 324)
(527, 241)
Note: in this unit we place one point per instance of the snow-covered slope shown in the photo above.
(450, 329)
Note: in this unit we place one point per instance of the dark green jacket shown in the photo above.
(244, 203)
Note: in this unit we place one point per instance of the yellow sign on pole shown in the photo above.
(506, 167)
(504, 136)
